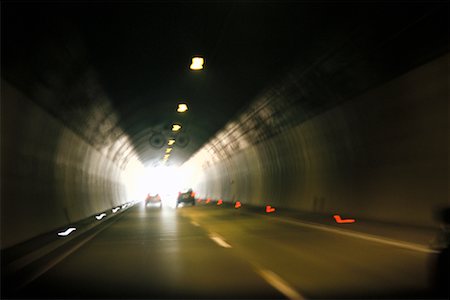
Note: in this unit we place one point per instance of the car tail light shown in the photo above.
(192, 194)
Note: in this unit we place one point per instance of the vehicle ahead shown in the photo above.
(187, 197)
(154, 200)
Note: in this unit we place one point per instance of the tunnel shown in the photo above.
(314, 139)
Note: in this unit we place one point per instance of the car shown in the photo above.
(153, 200)
(186, 197)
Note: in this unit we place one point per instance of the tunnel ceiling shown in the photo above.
(112, 71)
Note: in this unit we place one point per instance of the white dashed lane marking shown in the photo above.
(281, 285)
(219, 240)
(195, 223)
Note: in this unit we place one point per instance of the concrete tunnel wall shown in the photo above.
(51, 177)
(381, 156)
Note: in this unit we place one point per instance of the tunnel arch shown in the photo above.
(362, 96)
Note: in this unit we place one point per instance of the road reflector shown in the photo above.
(67, 231)
(339, 220)
(269, 209)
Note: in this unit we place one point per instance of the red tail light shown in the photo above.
(192, 194)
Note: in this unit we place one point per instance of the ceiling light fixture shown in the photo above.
(176, 127)
(197, 63)
(171, 142)
(182, 107)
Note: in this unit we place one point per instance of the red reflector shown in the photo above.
(343, 221)
(238, 204)
(269, 209)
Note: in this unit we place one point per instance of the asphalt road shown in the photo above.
(209, 251)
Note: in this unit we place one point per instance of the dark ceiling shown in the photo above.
(139, 54)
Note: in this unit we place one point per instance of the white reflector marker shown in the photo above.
(100, 216)
(67, 231)
(114, 210)
(219, 240)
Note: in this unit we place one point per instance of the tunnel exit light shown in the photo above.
(197, 63)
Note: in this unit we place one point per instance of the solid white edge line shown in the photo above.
(216, 238)
(281, 285)
(373, 238)
(364, 236)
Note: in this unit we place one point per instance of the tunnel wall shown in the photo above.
(50, 176)
(383, 155)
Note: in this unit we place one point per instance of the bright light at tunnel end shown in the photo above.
(166, 181)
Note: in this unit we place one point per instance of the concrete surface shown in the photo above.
(50, 177)
(381, 156)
